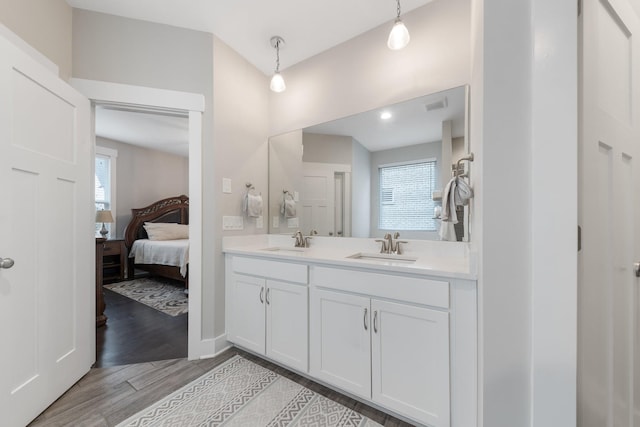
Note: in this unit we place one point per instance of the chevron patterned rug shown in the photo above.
(161, 294)
(242, 393)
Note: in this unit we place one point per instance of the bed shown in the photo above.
(163, 258)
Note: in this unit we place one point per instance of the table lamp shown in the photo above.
(104, 216)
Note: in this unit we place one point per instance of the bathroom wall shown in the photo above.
(361, 199)
(45, 25)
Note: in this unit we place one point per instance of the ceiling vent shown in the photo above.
(437, 105)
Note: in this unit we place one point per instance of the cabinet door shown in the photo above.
(247, 327)
(340, 340)
(410, 358)
(287, 335)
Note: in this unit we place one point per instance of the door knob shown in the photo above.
(636, 268)
(6, 263)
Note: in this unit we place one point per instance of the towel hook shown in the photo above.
(468, 157)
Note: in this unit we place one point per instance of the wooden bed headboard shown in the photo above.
(172, 209)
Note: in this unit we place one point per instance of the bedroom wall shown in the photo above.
(143, 177)
(45, 25)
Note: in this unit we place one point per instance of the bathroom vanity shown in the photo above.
(396, 332)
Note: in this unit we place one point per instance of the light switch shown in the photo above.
(293, 223)
(232, 223)
(226, 185)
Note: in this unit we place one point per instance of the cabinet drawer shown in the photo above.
(286, 271)
(111, 248)
(411, 289)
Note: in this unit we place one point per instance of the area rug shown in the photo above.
(160, 294)
(242, 393)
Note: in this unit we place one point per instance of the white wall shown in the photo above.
(362, 74)
(523, 132)
(45, 25)
(144, 176)
(240, 120)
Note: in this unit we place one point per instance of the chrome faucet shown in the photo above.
(299, 239)
(303, 241)
(388, 246)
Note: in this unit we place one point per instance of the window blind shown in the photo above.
(406, 201)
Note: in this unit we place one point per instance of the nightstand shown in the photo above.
(114, 258)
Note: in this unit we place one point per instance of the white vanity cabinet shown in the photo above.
(269, 316)
(383, 338)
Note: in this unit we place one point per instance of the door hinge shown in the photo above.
(579, 238)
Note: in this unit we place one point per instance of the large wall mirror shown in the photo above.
(371, 173)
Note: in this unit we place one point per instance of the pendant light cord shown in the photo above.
(278, 55)
(398, 1)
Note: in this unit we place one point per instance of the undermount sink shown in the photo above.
(284, 249)
(383, 257)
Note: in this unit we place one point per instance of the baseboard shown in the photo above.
(211, 347)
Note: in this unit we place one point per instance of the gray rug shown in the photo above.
(242, 393)
(163, 295)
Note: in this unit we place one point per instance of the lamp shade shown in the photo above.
(399, 36)
(104, 216)
(277, 82)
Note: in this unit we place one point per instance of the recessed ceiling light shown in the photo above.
(385, 115)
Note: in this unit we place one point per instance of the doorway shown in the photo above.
(112, 95)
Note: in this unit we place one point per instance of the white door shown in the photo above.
(608, 293)
(247, 328)
(410, 361)
(317, 200)
(340, 340)
(287, 320)
(47, 299)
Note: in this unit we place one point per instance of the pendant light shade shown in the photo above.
(399, 35)
(277, 82)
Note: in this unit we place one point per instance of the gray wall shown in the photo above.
(402, 154)
(45, 25)
(122, 50)
(319, 148)
(144, 176)
(360, 190)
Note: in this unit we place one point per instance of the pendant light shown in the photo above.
(277, 82)
(399, 35)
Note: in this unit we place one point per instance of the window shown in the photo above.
(406, 201)
(105, 180)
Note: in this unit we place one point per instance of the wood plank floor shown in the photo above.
(136, 333)
(108, 396)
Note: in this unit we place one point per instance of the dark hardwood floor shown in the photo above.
(135, 333)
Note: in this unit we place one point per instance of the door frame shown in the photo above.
(192, 105)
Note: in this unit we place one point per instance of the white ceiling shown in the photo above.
(410, 123)
(307, 26)
(164, 132)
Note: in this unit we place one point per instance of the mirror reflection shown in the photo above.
(371, 173)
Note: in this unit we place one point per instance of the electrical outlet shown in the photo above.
(275, 222)
(259, 222)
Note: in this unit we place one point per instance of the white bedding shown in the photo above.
(164, 252)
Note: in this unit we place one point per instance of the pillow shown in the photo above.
(166, 231)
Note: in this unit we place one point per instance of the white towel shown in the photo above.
(288, 206)
(457, 192)
(252, 205)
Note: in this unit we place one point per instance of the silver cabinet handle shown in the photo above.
(636, 268)
(261, 295)
(267, 296)
(366, 326)
(375, 321)
(6, 263)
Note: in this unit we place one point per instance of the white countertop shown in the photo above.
(432, 258)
